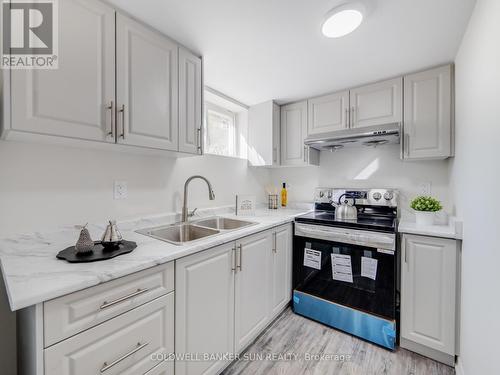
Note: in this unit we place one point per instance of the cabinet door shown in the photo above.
(147, 86)
(378, 103)
(124, 345)
(293, 133)
(73, 100)
(428, 289)
(427, 119)
(252, 287)
(281, 269)
(328, 113)
(204, 306)
(190, 105)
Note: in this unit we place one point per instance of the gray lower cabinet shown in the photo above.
(125, 326)
(226, 296)
(429, 284)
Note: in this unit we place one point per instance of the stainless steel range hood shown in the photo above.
(367, 136)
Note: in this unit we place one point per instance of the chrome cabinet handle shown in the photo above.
(352, 116)
(111, 107)
(275, 154)
(198, 135)
(122, 111)
(305, 154)
(106, 367)
(407, 144)
(233, 259)
(275, 242)
(105, 304)
(239, 256)
(347, 122)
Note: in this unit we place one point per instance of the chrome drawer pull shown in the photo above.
(106, 367)
(105, 305)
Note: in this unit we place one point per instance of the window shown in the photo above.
(220, 131)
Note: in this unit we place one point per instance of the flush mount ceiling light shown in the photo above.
(343, 19)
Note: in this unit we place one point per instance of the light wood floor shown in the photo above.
(291, 333)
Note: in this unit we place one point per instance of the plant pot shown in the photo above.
(424, 218)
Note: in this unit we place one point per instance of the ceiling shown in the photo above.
(257, 50)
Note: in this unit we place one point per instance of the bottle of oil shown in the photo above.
(284, 196)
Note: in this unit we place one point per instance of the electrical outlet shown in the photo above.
(424, 188)
(120, 190)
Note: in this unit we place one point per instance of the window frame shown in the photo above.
(209, 106)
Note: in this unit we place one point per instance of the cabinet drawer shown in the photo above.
(76, 312)
(122, 346)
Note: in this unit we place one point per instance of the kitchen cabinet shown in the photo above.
(428, 114)
(226, 296)
(377, 104)
(264, 134)
(77, 99)
(205, 308)
(123, 345)
(118, 81)
(428, 296)
(281, 263)
(252, 288)
(294, 130)
(190, 102)
(147, 84)
(328, 113)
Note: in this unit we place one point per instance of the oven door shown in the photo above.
(353, 268)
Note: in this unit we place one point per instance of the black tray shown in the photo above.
(100, 252)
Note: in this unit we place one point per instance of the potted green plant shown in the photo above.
(425, 209)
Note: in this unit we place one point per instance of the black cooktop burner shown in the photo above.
(365, 221)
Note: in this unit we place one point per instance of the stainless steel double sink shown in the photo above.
(181, 233)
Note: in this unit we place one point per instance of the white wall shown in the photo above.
(367, 167)
(475, 178)
(43, 186)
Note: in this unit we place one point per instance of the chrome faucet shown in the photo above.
(211, 195)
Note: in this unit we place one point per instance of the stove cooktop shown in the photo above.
(364, 221)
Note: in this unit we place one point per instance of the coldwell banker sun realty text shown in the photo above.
(29, 34)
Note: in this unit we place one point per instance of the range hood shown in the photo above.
(367, 136)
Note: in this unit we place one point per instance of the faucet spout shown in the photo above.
(211, 195)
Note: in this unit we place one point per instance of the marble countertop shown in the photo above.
(452, 229)
(32, 274)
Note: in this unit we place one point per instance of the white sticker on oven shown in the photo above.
(312, 258)
(342, 268)
(369, 267)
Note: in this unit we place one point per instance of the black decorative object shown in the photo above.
(99, 252)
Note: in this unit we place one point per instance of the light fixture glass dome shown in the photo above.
(342, 21)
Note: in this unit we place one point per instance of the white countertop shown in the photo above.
(453, 229)
(33, 274)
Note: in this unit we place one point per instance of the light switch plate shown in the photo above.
(120, 190)
(424, 188)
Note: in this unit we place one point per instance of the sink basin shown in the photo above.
(178, 234)
(223, 223)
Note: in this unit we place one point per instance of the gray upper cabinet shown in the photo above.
(147, 86)
(428, 114)
(328, 113)
(377, 103)
(75, 100)
(118, 81)
(293, 134)
(190, 102)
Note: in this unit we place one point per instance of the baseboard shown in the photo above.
(459, 369)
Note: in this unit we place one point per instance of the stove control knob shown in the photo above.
(377, 196)
(321, 194)
(388, 195)
(330, 194)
